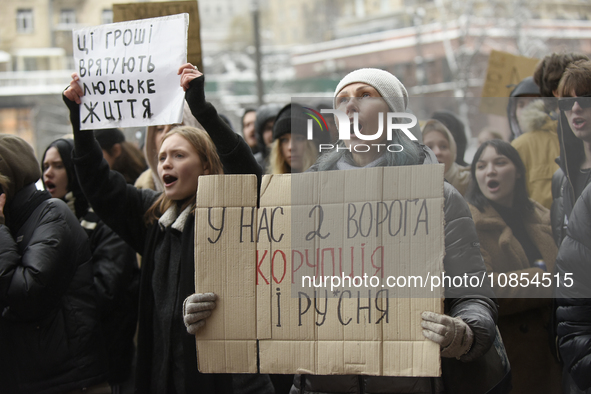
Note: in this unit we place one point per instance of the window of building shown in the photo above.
(67, 16)
(17, 121)
(70, 63)
(30, 64)
(107, 16)
(24, 20)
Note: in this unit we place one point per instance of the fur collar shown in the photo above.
(534, 118)
(172, 217)
(492, 228)
(491, 220)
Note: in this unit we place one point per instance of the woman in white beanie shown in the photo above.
(367, 92)
(467, 330)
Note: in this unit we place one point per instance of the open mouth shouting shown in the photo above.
(50, 187)
(352, 127)
(578, 123)
(493, 185)
(168, 180)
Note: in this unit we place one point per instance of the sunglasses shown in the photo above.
(567, 103)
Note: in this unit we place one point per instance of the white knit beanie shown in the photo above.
(387, 85)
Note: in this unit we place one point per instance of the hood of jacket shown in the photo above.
(535, 118)
(526, 87)
(17, 163)
(265, 113)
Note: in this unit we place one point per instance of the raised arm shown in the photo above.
(234, 152)
(119, 205)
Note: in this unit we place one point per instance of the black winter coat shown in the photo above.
(161, 356)
(563, 191)
(559, 183)
(116, 280)
(574, 302)
(49, 335)
(474, 306)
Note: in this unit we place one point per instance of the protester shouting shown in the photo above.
(467, 329)
(516, 240)
(574, 92)
(161, 227)
(115, 268)
(570, 222)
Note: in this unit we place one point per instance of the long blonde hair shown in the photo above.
(278, 164)
(203, 145)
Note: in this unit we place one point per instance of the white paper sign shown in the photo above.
(128, 72)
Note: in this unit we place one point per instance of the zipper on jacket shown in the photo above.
(567, 174)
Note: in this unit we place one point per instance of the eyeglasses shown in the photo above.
(567, 103)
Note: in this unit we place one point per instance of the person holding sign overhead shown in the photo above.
(161, 227)
(467, 330)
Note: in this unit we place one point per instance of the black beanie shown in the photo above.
(109, 137)
(293, 118)
(526, 87)
(457, 129)
(282, 123)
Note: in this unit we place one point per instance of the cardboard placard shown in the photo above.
(128, 72)
(226, 268)
(132, 11)
(504, 72)
(366, 225)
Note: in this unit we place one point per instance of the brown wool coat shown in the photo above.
(522, 321)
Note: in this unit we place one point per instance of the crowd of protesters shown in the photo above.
(97, 268)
